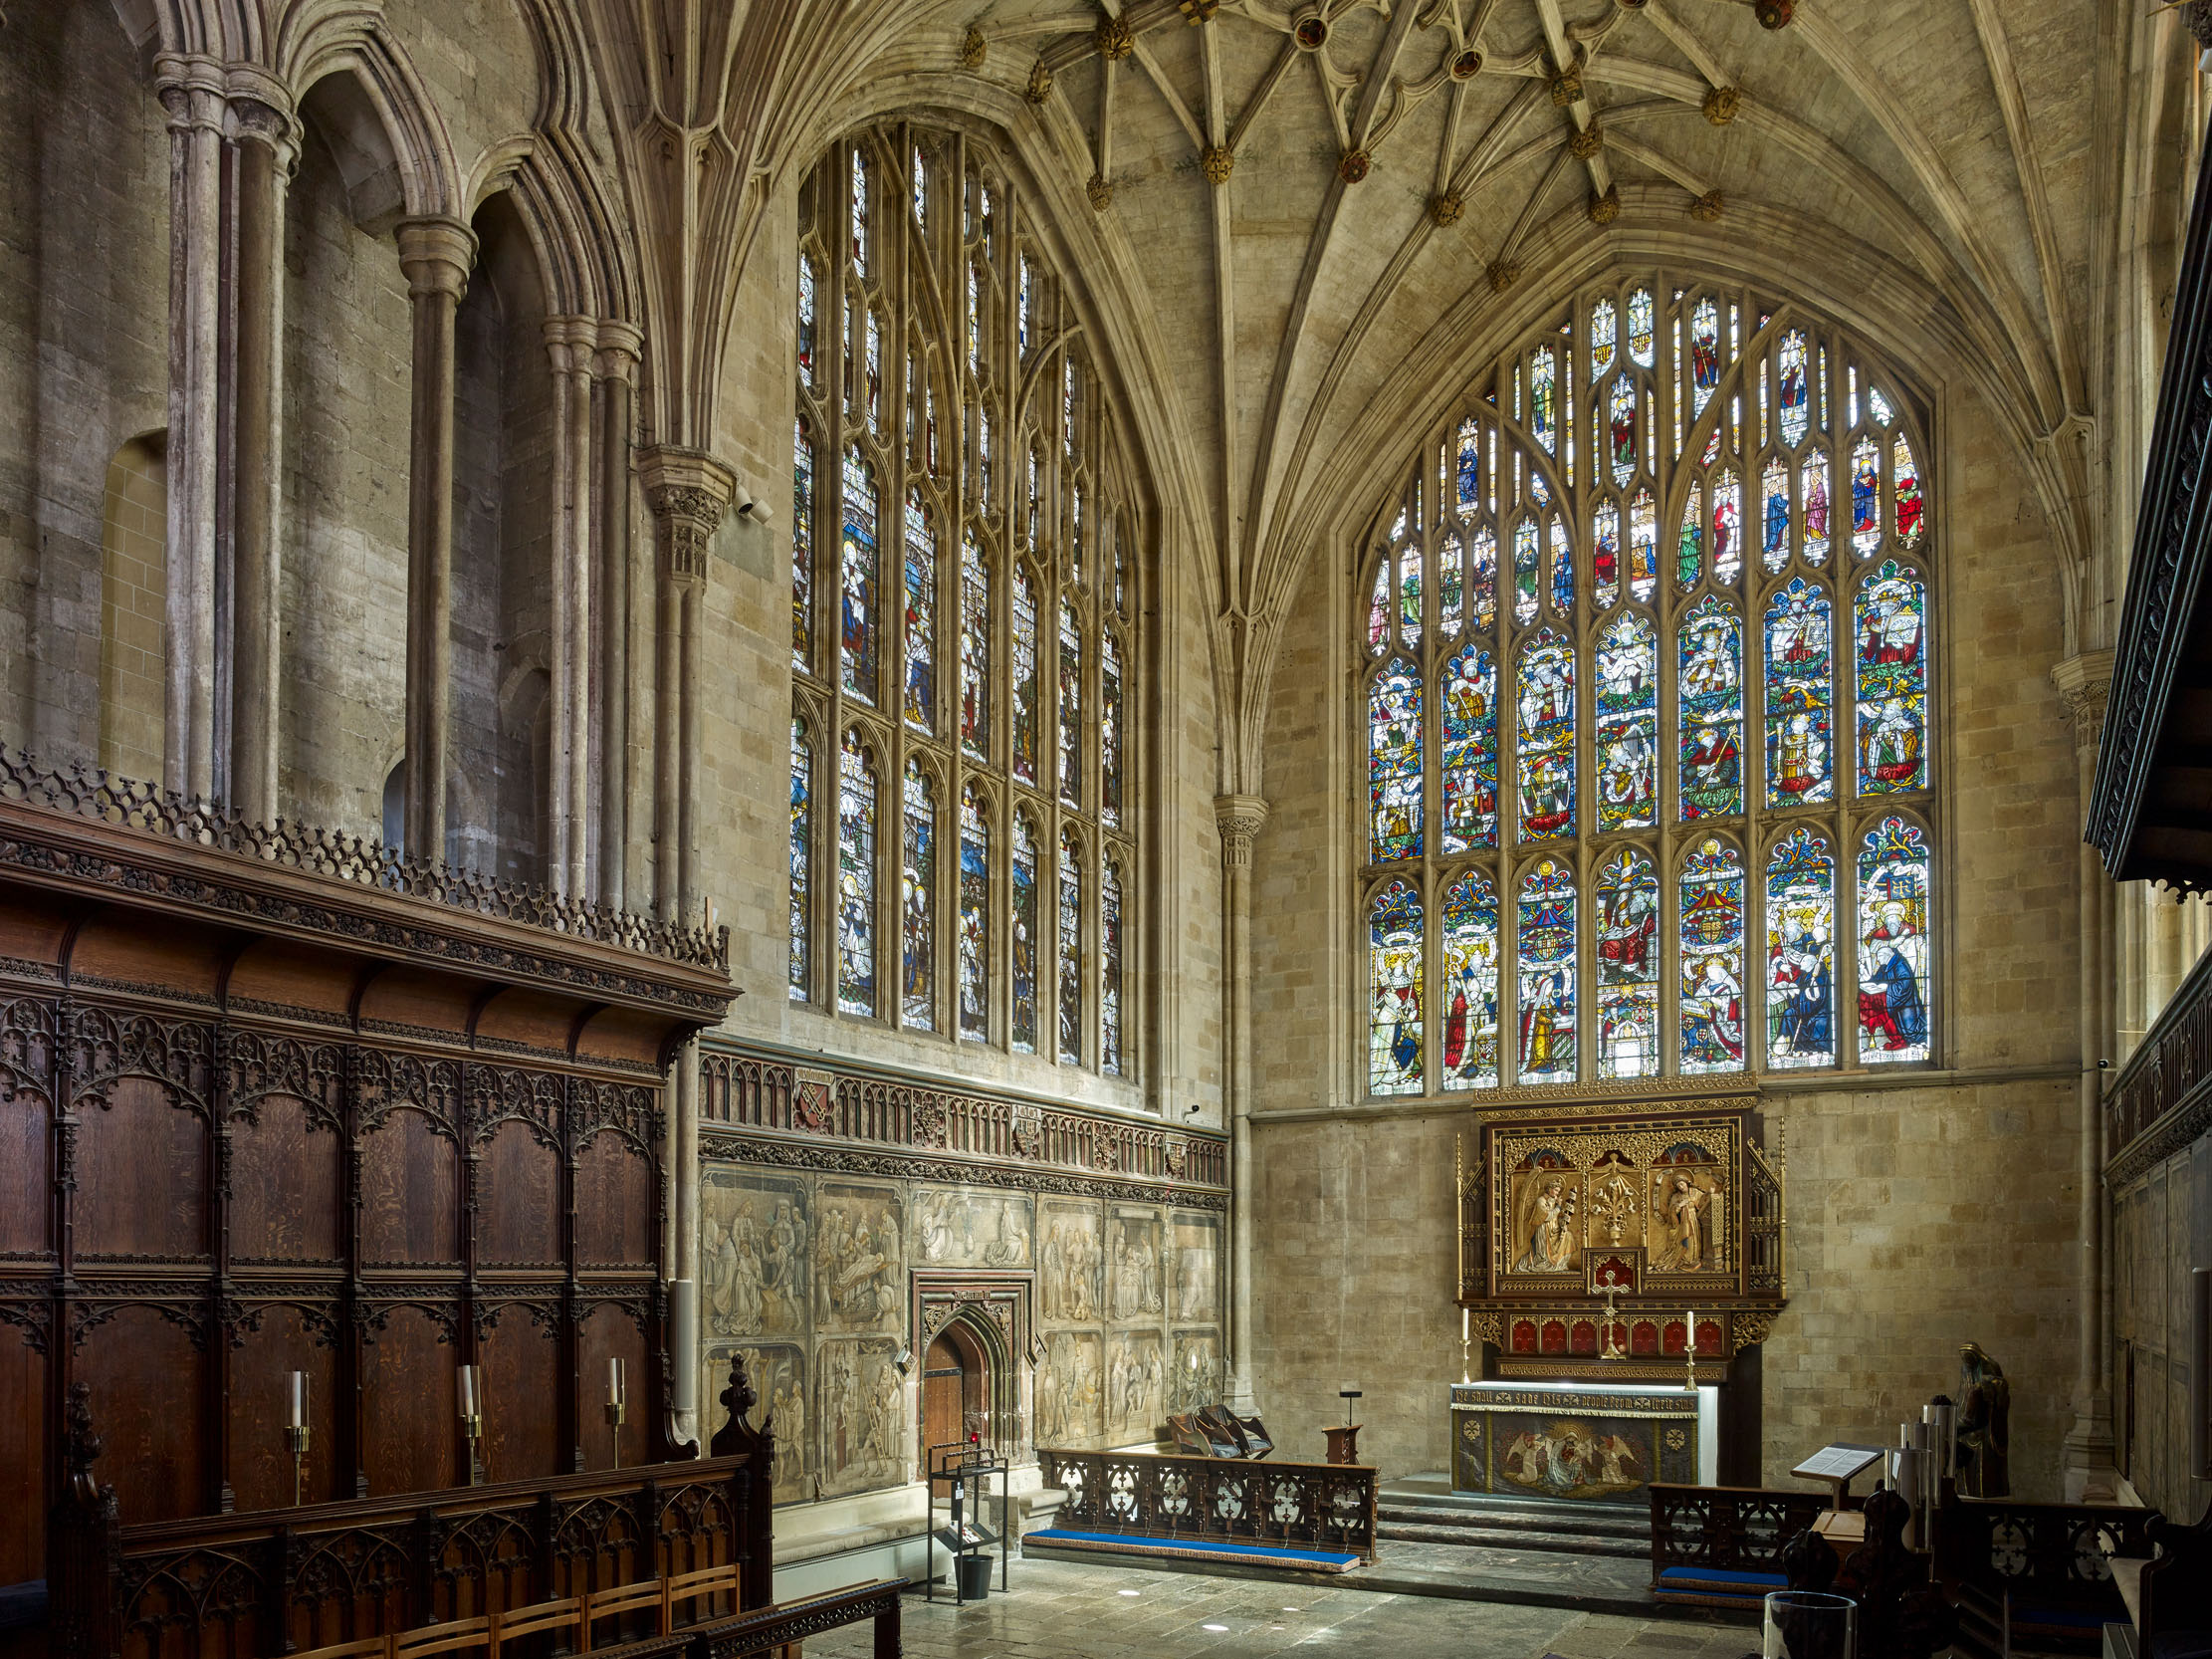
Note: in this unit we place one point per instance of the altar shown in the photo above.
(1587, 1442)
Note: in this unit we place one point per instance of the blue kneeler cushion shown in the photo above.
(1191, 1550)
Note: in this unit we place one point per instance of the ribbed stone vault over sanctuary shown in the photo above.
(1393, 692)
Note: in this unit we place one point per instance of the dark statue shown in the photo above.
(1984, 1426)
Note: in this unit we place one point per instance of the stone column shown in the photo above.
(1239, 818)
(573, 341)
(265, 148)
(616, 369)
(436, 255)
(2084, 682)
(193, 92)
(688, 491)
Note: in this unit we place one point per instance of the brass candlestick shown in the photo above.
(617, 1410)
(1612, 1349)
(1464, 1375)
(297, 1434)
(471, 1426)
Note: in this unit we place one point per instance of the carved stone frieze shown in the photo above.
(858, 1159)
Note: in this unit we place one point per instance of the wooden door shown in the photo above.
(943, 1392)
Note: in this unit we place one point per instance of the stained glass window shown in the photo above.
(862, 210)
(1545, 930)
(1394, 1029)
(857, 879)
(1109, 730)
(1711, 921)
(1893, 943)
(1800, 693)
(920, 698)
(974, 917)
(1774, 535)
(974, 650)
(918, 915)
(922, 568)
(1545, 704)
(1069, 1002)
(1024, 675)
(1070, 728)
(1801, 951)
(1109, 971)
(1470, 695)
(1740, 452)
(1865, 501)
(1470, 983)
(1628, 1013)
(803, 547)
(1813, 486)
(1891, 629)
(859, 631)
(1393, 764)
(802, 863)
(1024, 888)
(1628, 724)
(806, 303)
(1711, 655)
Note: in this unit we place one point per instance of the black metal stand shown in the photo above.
(966, 1468)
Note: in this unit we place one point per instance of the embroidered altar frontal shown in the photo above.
(1584, 1445)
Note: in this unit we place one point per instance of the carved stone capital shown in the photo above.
(260, 112)
(619, 345)
(688, 491)
(192, 87)
(1239, 818)
(437, 254)
(2084, 683)
(571, 343)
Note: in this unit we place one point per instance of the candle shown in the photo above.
(464, 1383)
(614, 1382)
(1689, 1330)
(298, 1399)
(1462, 1324)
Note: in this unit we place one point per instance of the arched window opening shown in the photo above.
(1611, 769)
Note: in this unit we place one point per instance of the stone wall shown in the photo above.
(1921, 1213)
(809, 1274)
(84, 349)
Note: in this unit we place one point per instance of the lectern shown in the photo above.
(1344, 1443)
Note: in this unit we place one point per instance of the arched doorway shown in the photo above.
(956, 1386)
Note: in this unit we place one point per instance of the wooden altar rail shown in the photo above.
(793, 1621)
(1291, 1506)
(1738, 1528)
(2045, 1557)
(751, 1092)
(278, 1582)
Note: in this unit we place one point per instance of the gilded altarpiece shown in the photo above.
(1664, 1216)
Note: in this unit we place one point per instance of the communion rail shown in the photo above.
(1725, 1529)
(1311, 1506)
(2038, 1570)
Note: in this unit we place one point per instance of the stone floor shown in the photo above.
(1070, 1610)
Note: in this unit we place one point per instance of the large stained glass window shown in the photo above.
(1068, 1001)
(1394, 1032)
(918, 919)
(1024, 888)
(1627, 922)
(1544, 924)
(801, 975)
(966, 583)
(1109, 970)
(1644, 645)
(857, 879)
(975, 918)
(1470, 978)
(1800, 950)
(1894, 942)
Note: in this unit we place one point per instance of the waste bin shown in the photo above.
(975, 1576)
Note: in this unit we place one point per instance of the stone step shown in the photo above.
(1520, 1519)
(1506, 1537)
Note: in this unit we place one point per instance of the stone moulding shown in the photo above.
(782, 1152)
(752, 1099)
